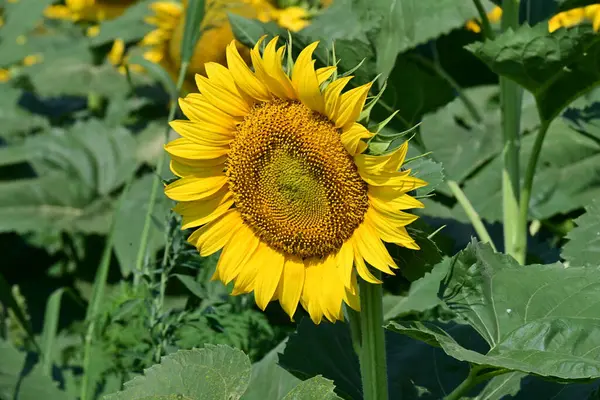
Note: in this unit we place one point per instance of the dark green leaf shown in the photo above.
(19, 382)
(213, 372)
(556, 67)
(15, 119)
(21, 17)
(583, 248)
(129, 26)
(248, 31)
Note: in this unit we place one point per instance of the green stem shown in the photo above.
(354, 322)
(473, 216)
(485, 21)
(141, 254)
(510, 97)
(472, 380)
(94, 102)
(526, 190)
(372, 356)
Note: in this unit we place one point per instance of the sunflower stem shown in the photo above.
(488, 32)
(526, 191)
(373, 367)
(473, 216)
(141, 254)
(510, 98)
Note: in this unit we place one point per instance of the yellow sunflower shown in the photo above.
(576, 16)
(88, 10)
(272, 170)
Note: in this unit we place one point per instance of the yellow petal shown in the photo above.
(185, 148)
(236, 254)
(313, 286)
(213, 236)
(201, 164)
(267, 277)
(352, 139)
(389, 232)
(332, 96)
(198, 109)
(304, 79)
(272, 64)
(351, 294)
(390, 162)
(351, 105)
(193, 188)
(394, 200)
(197, 133)
(245, 79)
(370, 247)
(333, 297)
(200, 212)
(345, 261)
(362, 268)
(223, 99)
(400, 181)
(291, 284)
(396, 217)
(182, 169)
(325, 73)
(244, 282)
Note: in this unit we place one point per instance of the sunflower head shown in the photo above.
(273, 172)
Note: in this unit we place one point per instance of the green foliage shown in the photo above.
(582, 249)
(569, 66)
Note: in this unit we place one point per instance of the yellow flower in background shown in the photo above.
(273, 172)
(494, 16)
(4, 75)
(88, 10)
(576, 16)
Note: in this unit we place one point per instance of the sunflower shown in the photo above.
(576, 16)
(272, 169)
(88, 10)
(164, 43)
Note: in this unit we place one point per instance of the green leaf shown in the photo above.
(316, 388)
(19, 381)
(568, 175)
(407, 24)
(192, 29)
(78, 171)
(49, 332)
(130, 219)
(583, 248)
(269, 380)
(21, 17)
(422, 296)
(71, 75)
(430, 171)
(539, 319)
(15, 119)
(128, 27)
(213, 372)
(555, 67)
(248, 31)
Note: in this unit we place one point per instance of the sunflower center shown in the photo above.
(294, 182)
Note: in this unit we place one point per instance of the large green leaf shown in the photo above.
(21, 17)
(407, 24)
(568, 175)
(539, 319)
(77, 172)
(130, 219)
(213, 372)
(19, 381)
(15, 119)
(583, 248)
(556, 67)
(129, 26)
(269, 380)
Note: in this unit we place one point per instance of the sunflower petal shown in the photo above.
(236, 254)
(291, 284)
(304, 79)
(196, 213)
(312, 291)
(193, 188)
(197, 133)
(332, 96)
(245, 79)
(213, 236)
(351, 105)
(224, 100)
(273, 67)
(198, 109)
(267, 278)
(370, 247)
(325, 73)
(185, 148)
(345, 262)
(352, 139)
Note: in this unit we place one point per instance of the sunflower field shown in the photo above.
(299, 199)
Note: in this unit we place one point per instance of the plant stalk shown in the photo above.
(510, 97)
(372, 356)
(139, 262)
(473, 216)
(488, 32)
(472, 380)
(526, 190)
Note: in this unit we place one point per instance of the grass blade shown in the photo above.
(51, 317)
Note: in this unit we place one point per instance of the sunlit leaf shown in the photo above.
(583, 248)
